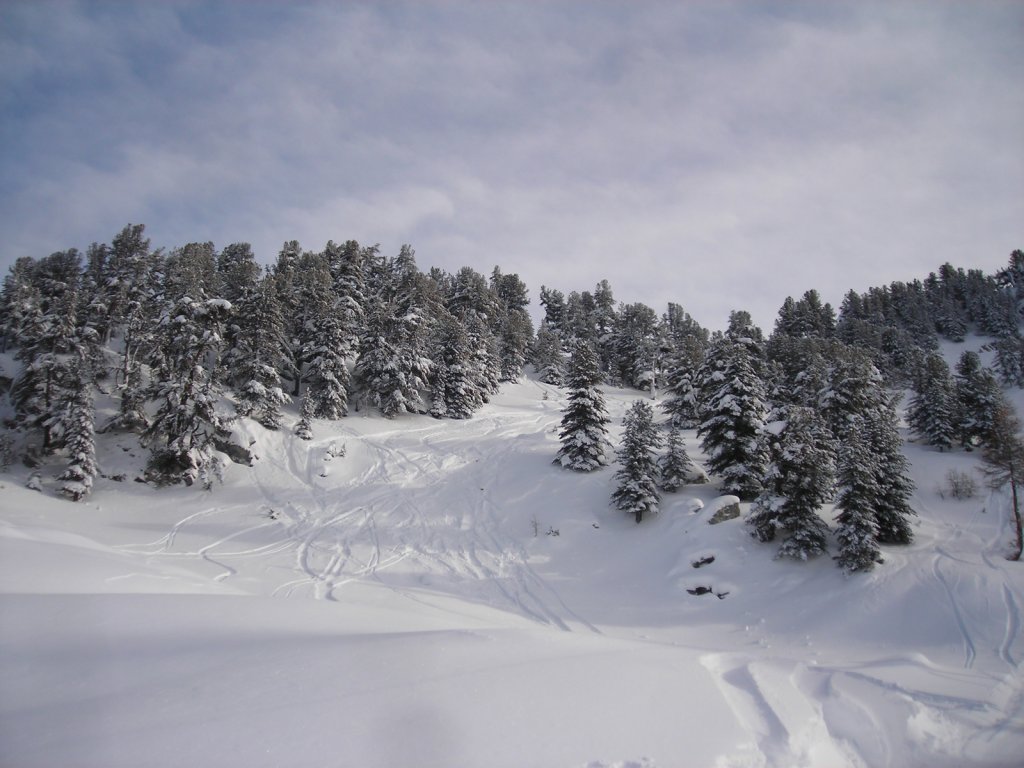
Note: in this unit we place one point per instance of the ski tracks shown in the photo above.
(457, 540)
(1012, 627)
(787, 724)
(970, 653)
(417, 510)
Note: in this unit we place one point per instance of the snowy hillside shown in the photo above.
(437, 593)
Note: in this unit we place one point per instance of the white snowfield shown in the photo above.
(443, 595)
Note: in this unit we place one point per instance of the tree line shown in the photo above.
(186, 340)
(809, 416)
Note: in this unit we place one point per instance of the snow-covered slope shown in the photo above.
(442, 595)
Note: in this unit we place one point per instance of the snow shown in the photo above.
(402, 609)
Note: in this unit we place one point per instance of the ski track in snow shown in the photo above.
(969, 650)
(1012, 627)
(376, 519)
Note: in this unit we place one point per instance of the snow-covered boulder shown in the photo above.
(724, 508)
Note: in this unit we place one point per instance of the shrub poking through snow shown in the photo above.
(960, 485)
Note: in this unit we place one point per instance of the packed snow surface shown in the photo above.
(419, 592)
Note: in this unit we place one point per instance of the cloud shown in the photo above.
(716, 154)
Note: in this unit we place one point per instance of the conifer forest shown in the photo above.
(182, 342)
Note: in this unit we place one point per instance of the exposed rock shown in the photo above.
(237, 453)
(728, 512)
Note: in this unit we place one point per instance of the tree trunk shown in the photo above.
(1017, 522)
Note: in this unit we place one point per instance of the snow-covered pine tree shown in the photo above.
(978, 394)
(1009, 359)
(799, 480)
(326, 349)
(261, 354)
(514, 337)
(675, 466)
(604, 321)
(933, 412)
(513, 326)
(553, 302)
(304, 426)
(636, 347)
(287, 282)
(393, 365)
(584, 433)
(47, 340)
(579, 312)
(852, 387)
(547, 357)
(454, 393)
(680, 403)
(348, 273)
(191, 270)
(140, 342)
(188, 419)
(892, 510)
(124, 280)
(734, 405)
(637, 491)
(79, 433)
(856, 498)
(236, 277)
(484, 364)
(18, 298)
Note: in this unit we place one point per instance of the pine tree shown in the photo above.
(1003, 462)
(455, 392)
(675, 467)
(978, 395)
(47, 340)
(18, 298)
(1009, 359)
(390, 371)
(636, 347)
(856, 499)
(892, 509)
(512, 326)
(394, 367)
(327, 374)
(124, 280)
(680, 403)
(933, 413)
(547, 357)
(799, 480)
(514, 337)
(553, 302)
(852, 388)
(80, 436)
(304, 427)
(584, 433)
(262, 352)
(484, 364)
(288, 284)
(637, 491)
(734, 407)
(188, 420)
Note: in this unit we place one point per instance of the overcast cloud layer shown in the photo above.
(719, 155)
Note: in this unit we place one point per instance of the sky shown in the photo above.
(719, 155)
